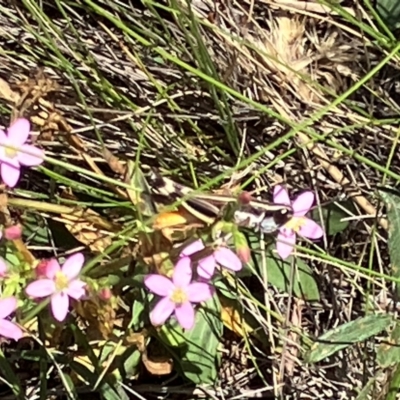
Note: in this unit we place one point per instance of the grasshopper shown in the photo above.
(259, 215)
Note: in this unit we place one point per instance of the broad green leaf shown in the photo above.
(347, 334)
(392, 202)
(130, 361)
(389, 11)
(280, 273)
(199, 357)
(172, 334)
(389, 351)
(333, 217)
(365, 393)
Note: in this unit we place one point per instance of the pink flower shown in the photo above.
(298, 223)
(7, 328)
(13, 232)
(178, 294)
(60, 283)
(14, 152)
(206, 266)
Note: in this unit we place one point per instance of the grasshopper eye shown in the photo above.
(282, 216)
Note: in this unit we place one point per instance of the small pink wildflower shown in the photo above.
(8, 329)
(206, 266)
(14, 152)
(13, 232)
(60, 283)
(178, 294)
(300, 224)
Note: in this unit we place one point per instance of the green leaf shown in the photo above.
(68, 385)
(392, 202)
(130, 360)
(138, 309)
(347, 334)
(370, 385)
(389, 351)
(35, 229)
(333, 216)
(172, 334)
(199, 358)
(111, 393)
(389, 11)
(11, 378)
(225, 290)
(280, 274)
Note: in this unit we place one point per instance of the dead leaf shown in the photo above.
(159, 263)
(175, 219)
(152, 243)
(89, 228)
(3, 200)
(114, 162)
(158, 365)
(7, 93)
(233, 319)
(99, 315)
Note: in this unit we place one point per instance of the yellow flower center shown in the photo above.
(179, 296)
(61, 281)
(295, 223)
(10, 151)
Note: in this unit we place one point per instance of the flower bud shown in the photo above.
(41, 268)
(13, 232)
(105, 294)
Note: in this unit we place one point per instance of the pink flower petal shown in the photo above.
(185, 315)
(302, 204)
(162, 311)
(76, 289)
(192, 248)
(41, 288)
(59, 306)
(3, 138)
(199, 291)
(182, 272)
(73, 265)
(281, 195)
(19, 131)
(10, 330)
(159, 284)
(30, 155)
(206, 267)
(285, 244)
(51, 268)
(10, 174)
(311, 229)
(3, 268)
(7, 306)
(228, 259)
